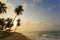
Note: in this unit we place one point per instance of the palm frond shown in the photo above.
(2, 8)
(18, 10)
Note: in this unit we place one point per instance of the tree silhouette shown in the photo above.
(8, 23)
(18, 10)
(18, 22)
(2, 8)
(2, 23)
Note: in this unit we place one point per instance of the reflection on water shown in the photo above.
(44, 35)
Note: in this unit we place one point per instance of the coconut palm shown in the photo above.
(18, 10)
(2, 8)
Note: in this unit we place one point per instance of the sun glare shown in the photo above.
(15, 23)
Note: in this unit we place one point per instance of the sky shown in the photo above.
(39, 15)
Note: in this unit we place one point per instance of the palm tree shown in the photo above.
(18, 11)
(2, 8)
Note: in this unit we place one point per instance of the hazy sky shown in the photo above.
(40, 11)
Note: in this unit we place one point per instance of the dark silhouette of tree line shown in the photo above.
(8, 23)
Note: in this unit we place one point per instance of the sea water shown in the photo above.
(44, 35)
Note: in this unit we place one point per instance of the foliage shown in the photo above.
(8, 23)
(2, 7)
(18, 22)
(19, 9)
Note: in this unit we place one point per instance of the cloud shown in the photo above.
(18, 2)
(32, 26)
(3, 0)
(28, 2)
(52, 7)
(39, 26)
(34, 2)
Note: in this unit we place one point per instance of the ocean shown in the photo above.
(44, 35)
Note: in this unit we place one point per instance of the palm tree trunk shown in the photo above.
(14, 19)
(15, 29)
